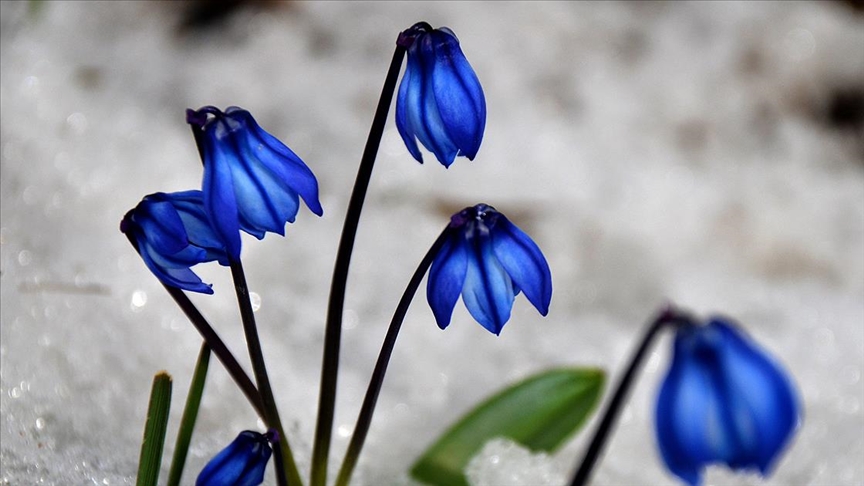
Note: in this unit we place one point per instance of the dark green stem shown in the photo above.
(333, 330)
(219, 349)
(215, 342)
(668, 316)
(286, 467)
(364, 419)
(190, 415)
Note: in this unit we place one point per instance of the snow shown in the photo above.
(655, 152)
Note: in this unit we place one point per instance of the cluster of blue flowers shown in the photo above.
(252, 182)
(723, 400)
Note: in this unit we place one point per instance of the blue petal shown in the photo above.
(161, 224)
(688, 416)
(431, 130)
(423, 119)
(280, 160)
(190, 208)
(488, 292)
(446, 279)
(219, 197)
(524, 262)
(767, 411)
(180, 277)
(458, 94)
(263, 203)
(410, 83)
(671, 423)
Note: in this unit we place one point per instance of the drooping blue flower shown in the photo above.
(173, 233)
(488, 260)
(724, 400)
(252, 181)
(242, 463)
(440, 100)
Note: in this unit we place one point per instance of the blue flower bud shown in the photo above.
(488, 260)
(242, 463)
(252, 181)
(724, 400)
(440, 100)
(172, 233)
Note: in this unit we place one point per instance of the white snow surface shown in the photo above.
(655, 151)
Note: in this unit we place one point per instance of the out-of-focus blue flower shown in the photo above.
(242, 463)
(488, 260)
(173, 233)
(440, 100)
(252, 181)
(724, 400)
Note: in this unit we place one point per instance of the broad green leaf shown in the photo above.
(540, 413)
(154, 430)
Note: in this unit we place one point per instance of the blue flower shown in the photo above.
(252, 181)
(724, 400)
(172, 233)
(440, 100)
(488, 260)
(242, 463)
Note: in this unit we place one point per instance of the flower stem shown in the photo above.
(333, 329)
(219, 349)
(668, 316)
(364, 419)
(271, 414)
(215, 342)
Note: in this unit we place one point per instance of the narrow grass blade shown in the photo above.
(190, 414)
(154, 430)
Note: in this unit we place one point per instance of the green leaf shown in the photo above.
(154, 430)
(190, 415)
(540, 413)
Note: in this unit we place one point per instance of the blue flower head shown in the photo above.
(172, 233)
(440, 100)
(724, 400)
(252, 181)
(488, 260)
(242, 463)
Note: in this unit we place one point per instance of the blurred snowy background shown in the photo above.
(708, 153)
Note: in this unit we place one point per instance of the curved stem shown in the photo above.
(364, 419)
(668, 316)
(215, 342)
(271, 413)
(333, 330)
(219, 348)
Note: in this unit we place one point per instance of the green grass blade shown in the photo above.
(540, 413)
(190, 414)
(154, 430)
